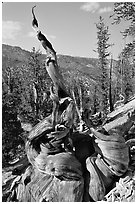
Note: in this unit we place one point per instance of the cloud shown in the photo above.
(95, 7)
(31, 34)
(10, 29)
(90, 7)
(105, 10)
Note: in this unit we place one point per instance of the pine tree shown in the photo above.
(11, 127)
(127, 77)
(119, 78)
(125, 11)
(39, 84)
(102, 49)
(95, 101)
(110, 86)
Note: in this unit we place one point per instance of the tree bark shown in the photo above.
(121, 119)
(51, 62)
(110, 87)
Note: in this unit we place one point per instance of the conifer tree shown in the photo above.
(11, 127)
(125, 11)
(102, 49)
(110, 86)
(39, 84)
(95, 101)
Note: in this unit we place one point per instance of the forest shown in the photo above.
(102, 91)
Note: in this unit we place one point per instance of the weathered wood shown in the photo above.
(104, 141)
(112, 152)
(53, 171)
(47, 188)
(54, 174)
(111, 160)
(51, 61)
(121, 119)
(79, 111)
(96, 184)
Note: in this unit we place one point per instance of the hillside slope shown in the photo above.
(15, 55)
(79, 67)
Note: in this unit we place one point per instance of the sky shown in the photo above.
(69, 26)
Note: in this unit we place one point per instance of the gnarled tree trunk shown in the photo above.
(54, 173)
(51, 172)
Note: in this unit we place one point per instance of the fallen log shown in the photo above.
(121, 119)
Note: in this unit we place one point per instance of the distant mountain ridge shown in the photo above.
(17, 54)
(83, 67)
